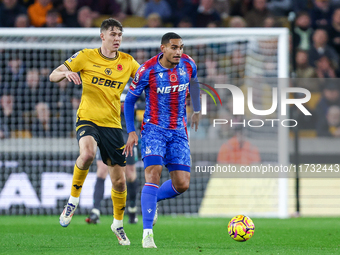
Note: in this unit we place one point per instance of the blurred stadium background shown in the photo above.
(297, 39)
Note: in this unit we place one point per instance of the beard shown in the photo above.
(173, 63)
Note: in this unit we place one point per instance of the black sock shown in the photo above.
(132, 192)
(98, 192)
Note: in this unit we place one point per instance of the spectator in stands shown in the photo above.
(330, 97)
(222, 7)
(321, 14)
(320, 48)
(238, 150)
(303, 32)
(240, 7)
(30, 96)
(9, 10)
(158, 6)
(256, 16)
(324, 68)
(8, 116)
(270, 21)
(237, 21)
(181, 9)
(141, 55)
(280, 7)
(303, 69)
(69, 13)
(154, 20)
(62, 108)
(103, 7)
(132, 7)
(205, 14)
(213, 24)
(332, 127)
(22, 20)
(85, 17)
(211, 70)
(334, 31)
(42, 124)
(238, 59)
(185, 22)
(14, 72)
(37, 12)
(45, 73)
(52, 19)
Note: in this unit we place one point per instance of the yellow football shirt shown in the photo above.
(103, 81)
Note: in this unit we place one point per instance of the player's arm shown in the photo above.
(62, 72)
(129, 114)
(195, 98)
(137, 86)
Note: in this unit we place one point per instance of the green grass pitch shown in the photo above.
(173, 235)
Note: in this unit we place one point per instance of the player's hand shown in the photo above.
(132, 140)
(195, 119)
(73, 77)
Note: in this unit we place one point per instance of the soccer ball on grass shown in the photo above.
(241, 228)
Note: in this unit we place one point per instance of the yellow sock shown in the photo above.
(79, 177)
(119, 202)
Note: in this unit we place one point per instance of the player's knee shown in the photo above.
(182, 186)
(87, 156)
(119, 183)
(153, 173)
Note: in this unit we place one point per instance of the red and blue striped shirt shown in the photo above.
(165, 91)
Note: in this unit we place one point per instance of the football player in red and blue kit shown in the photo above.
(166, 79)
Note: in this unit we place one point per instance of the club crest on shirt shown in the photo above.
(119, 67)
(181, 71)
(161, 75)
(173, 77)
(108, 71)
(147, 151)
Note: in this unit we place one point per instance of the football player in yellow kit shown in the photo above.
(104, 73)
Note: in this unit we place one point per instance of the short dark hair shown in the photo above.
(168, 36)
(110, 22)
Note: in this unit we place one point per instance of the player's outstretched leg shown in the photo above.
(77, 184)
(119, 203)
(118, 196)
(148, 202)
(165, 191)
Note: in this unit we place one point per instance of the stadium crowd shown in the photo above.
(44, 109)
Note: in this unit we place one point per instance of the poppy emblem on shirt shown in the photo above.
(173, 77)
(108, 71)
(119, 67)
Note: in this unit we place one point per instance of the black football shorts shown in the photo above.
(110, 141)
